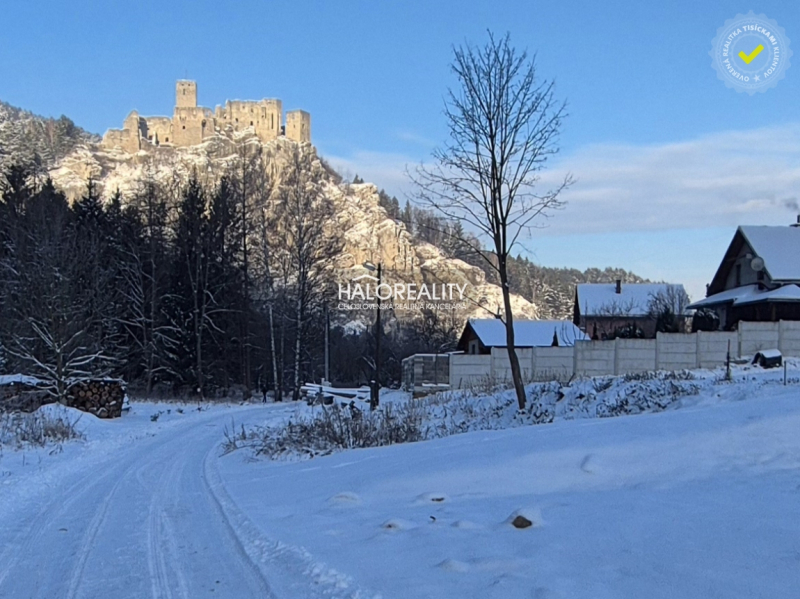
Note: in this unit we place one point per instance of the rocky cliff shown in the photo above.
(370, 235)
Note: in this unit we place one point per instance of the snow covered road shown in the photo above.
(144, 520)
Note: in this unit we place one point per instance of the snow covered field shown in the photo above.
(699, 500)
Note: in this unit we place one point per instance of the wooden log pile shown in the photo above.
(10, 392)
(102, 397)
(22, 397)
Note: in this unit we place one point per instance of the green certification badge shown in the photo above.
(750, 53)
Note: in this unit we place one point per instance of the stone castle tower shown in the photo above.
(192, 124)
(186, 94)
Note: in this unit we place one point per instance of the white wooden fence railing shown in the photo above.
(315, 392)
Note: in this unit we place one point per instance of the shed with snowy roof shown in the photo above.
(758, 279)
(480, 335)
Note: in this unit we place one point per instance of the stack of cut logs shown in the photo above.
(22, 398)
(103, 398)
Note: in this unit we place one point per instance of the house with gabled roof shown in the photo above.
(608, 310)
(759, 277)
(480, 335)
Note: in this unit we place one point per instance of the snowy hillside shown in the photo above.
(26, 136)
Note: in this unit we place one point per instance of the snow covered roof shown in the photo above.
(723, 297)
(750, 294)
(602, 299)
(527, 333)
(787, 293)
(779, 247)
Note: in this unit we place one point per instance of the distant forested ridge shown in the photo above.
(551, 289)
(35, 140)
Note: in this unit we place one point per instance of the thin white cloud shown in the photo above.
(415, 138)
(722, 179)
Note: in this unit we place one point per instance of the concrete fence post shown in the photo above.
(658, 362)
(697, 349)
(575, 358)
(739, 337)
(781, 337)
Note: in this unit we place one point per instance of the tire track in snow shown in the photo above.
(62, 502)
(232, 533)
(88, 488)
(99, 519)
(158, 531)
(306, 576)
(45, 519)
(89, 537)
(172, 521)
(156, 565)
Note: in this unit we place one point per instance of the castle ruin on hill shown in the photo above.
(192, 124)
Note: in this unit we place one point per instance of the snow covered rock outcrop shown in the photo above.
(370, 235)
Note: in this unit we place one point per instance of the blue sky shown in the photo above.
(668, 159)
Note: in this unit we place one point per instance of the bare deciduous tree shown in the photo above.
(668, 309)
(504, 124)
(250, 180)
(305, 220)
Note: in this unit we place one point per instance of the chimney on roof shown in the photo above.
(619, 285)
(797, 224)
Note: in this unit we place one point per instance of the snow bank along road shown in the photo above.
(143, 519)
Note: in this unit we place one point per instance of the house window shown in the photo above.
(738, 275)
(251, 123)
(184, 127)
(166, 140)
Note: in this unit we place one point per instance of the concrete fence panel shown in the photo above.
(789, 331)
(553, 363)
(501, 365)
(635, 355)
(712, 347)
(755, 336)
(594, 358)
(676, 351)
(468, 369)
